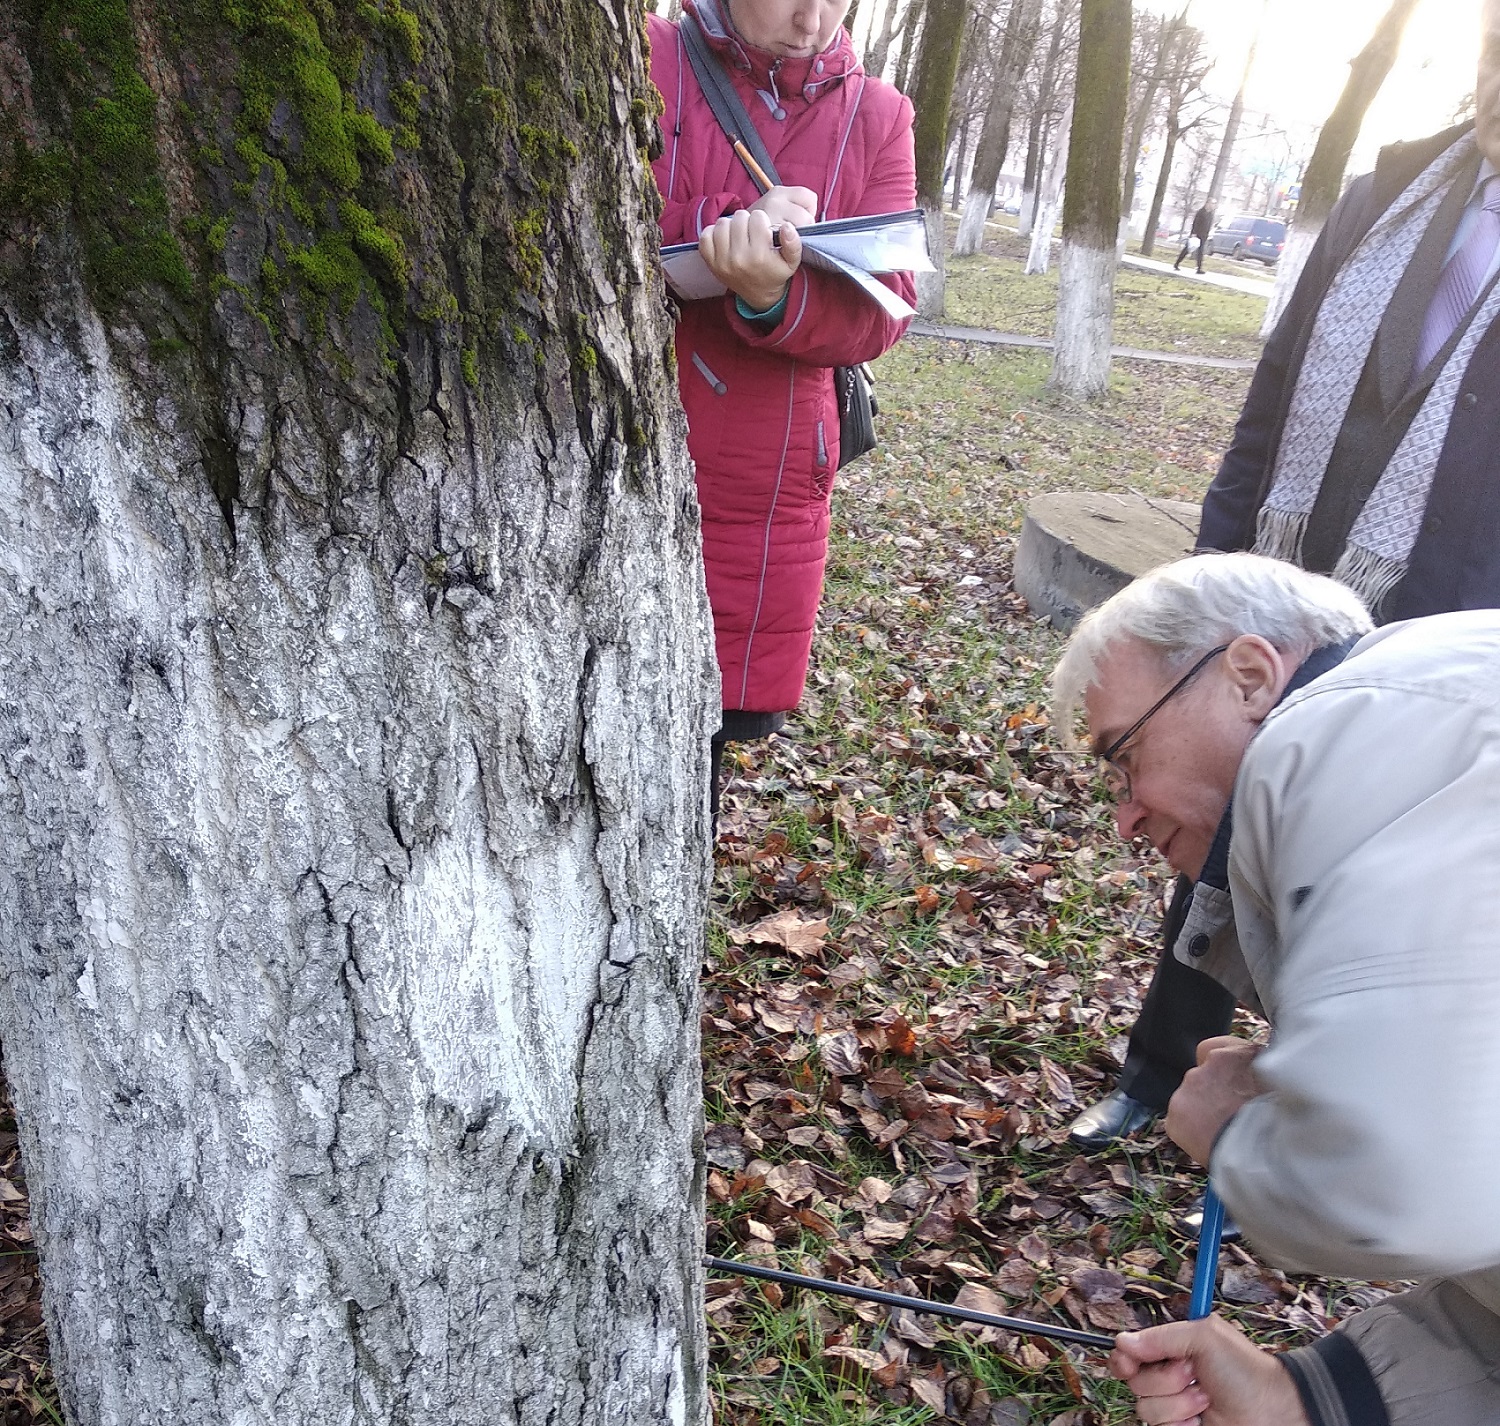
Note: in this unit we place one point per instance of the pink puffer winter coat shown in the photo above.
(762, 413)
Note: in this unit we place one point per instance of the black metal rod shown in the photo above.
(916, 1304)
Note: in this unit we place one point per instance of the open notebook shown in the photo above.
(855, 247)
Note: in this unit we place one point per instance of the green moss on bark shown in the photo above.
(106, 168)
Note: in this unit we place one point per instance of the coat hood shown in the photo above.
(772, 75)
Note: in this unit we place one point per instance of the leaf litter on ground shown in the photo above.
(928, 945)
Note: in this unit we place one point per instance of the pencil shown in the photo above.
(756, 171)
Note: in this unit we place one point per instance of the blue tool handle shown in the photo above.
(1209, 1237)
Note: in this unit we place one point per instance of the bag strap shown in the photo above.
(718, 89)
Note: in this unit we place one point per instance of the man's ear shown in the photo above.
(1258, 672)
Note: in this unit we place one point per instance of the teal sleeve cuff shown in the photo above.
(771, 314)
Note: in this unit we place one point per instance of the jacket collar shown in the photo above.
(774, 77)
(1216, 864)
(1399, 163)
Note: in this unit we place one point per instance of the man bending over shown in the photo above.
(1353, 899)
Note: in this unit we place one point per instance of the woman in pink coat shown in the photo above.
(756, 366)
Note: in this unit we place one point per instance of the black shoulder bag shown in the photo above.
(854, 385)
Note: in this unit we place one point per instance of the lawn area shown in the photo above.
(927, 942)
(1153, 311)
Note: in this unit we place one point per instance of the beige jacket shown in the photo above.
(1365, 879)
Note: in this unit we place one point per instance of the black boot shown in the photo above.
(1116, 1116)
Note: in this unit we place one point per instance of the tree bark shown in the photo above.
(1324, 179)
(353, 716)
(994, 137)
(1091, 207)
(932, 93)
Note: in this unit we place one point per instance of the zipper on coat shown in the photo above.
(822, 446)
(707, 374)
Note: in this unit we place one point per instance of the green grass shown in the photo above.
(1153, 311)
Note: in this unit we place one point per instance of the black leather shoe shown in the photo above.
(1116, 1116)
(1191, 1222)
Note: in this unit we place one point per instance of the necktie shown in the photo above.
(1458, 284)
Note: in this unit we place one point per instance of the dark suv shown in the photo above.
(1245, 236)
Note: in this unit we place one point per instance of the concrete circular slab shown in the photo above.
(1079, 547)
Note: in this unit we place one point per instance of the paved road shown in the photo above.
(920, 328)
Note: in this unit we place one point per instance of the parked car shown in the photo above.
(1247, 236)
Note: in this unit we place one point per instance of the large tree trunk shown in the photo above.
(994, 137)
(1091, 208)
(1324, 179)
(353, 716)
(932, 94)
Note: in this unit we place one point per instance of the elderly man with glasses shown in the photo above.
(1353, 899)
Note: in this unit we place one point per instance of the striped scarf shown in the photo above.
(1378, 551)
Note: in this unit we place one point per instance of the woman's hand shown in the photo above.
(798, 206)
(742, 252)
(1212, 1094)
(1205, 1373)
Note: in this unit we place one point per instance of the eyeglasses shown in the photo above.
(1116, 778)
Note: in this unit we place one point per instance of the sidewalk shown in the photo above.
(1255, 286)
(919, 328)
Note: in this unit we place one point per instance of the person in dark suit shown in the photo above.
(1203, 225)
(1368, 448)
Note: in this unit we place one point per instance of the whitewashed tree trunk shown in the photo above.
(1091, 216)
(931, 286)
(1084, 333)
(1300, 242)
(355, 822)
(1048, 201)
(970, 236)
(1025, 218)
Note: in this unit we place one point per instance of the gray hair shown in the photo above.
(1183, 609)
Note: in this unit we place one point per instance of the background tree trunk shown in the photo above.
(1166, 31)
(880, 48)
(1188, 69)
(1037, 135)
(932, 93)
(994, 138)
(353, 716)
(1323, 180)
(1049, 191)
(1232, 124)
(1091, 206)
(912, 26)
